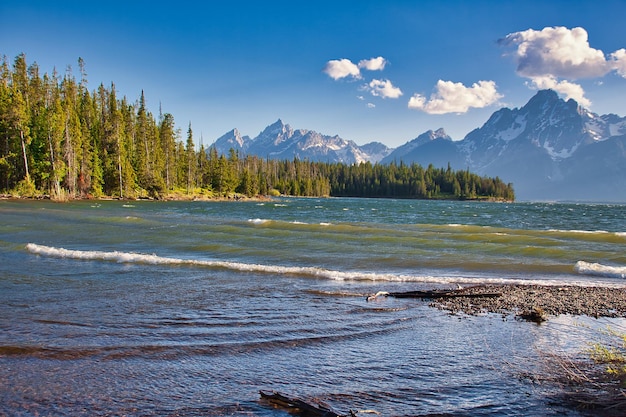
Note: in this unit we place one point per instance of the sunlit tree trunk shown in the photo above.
(24, 154)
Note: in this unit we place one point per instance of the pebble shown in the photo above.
(547, 300)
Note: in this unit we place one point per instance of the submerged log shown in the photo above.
(431, 294)
(299, 407)
(443, 294)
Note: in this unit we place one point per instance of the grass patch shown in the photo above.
(595, 382)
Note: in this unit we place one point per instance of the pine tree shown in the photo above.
(191, 161)
(167, 137)
(54, 132)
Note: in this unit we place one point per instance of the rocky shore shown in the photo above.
(535, 302)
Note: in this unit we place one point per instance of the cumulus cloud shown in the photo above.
(557, 51)
(568, 89)
(418, 102)
(370, 105)
(554, 56)
(383, 88)
(342, 68)
(373, 64)
(453, 97)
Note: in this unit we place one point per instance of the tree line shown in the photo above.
(60, 139)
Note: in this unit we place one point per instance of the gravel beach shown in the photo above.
(525, 300)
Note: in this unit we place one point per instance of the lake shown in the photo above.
(190, 308)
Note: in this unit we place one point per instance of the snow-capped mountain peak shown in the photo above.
(274, 134)
(280, 141)
(412, 145)
(231, 140)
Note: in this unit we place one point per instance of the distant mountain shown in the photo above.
(550, 149)
(435, 148)
(377, 151)
(280, 141)
(231, 140)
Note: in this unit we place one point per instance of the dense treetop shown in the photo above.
(60, 139)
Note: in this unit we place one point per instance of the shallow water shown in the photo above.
(191, 308)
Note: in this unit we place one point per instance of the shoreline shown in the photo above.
(536, 302)
(231, 197)
(169, 197)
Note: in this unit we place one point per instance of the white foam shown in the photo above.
(596, 269)
(588, 232)
(138, 258)
(258, 221)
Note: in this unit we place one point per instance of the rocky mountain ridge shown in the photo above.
(281, 141)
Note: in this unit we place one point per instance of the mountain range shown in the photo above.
(550, 149)
(280, 141)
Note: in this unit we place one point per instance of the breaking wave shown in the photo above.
(596, 269)
(308, 271)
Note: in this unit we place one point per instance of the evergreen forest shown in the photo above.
(61, 140)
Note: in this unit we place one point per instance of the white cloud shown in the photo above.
(342, 68)
(373, 64)
(383, 88)
(370, 105)
(569, 89)
(557, 51)
(453, 97)
(618, 61)
(418, 101)
(554, 55)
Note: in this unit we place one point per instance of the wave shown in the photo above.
(307, 271)
(596, 269)
(140, 258)
(601, 236)
(177, 350)
(258, 221)
(593, 235)
(537, 231)
(458, 231)
(579, 231)
(587, 232)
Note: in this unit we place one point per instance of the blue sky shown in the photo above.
(365, 70)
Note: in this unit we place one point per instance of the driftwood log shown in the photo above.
(299, 407)
(431, 294)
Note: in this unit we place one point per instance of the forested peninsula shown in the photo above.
(60, 140)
